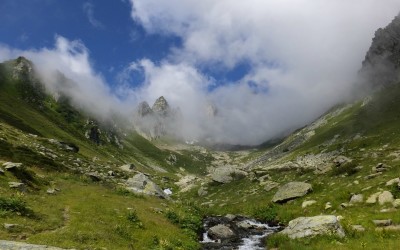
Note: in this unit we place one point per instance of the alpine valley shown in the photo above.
(69, 180)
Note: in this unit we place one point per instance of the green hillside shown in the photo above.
(70, 190)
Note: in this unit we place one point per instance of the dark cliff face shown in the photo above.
(381, 65)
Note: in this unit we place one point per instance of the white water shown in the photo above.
(252, 242)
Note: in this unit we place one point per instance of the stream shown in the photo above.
(235, 232)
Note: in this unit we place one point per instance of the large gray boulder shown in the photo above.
(220, 232)
(311, 226)
(227, 174)
(142, 184)
(290, 191)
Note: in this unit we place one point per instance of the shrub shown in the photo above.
(349, 168)
(395, 190)
(134, 219)
(14, 205)
(192, 223)
(267, 213)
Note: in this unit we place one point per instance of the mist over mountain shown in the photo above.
(301, 63)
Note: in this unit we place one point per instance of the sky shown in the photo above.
(269, 66)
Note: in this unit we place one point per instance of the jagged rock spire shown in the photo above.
(161, 106)
(144, 109)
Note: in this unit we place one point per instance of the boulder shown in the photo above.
(308, 203)
(385, 197)
(328, 205)
(227, 174)
(51, 191)
(396, 203)
(220, 232)
(10, 166)
(358, 228)
(269, 185)
(382, 223)
(141, 184)
(94, 176)
(311, 226)
(291, 190)
(17, 185)
(380, 167)
(373, 197)
(341, 160)
(128, 167)
(356, 198)
(393, 181)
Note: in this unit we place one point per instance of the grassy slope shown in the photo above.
(378, 123)
(97, 214)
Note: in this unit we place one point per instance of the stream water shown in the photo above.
(249, 234)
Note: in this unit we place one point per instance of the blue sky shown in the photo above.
(105, 27)
(269, 66)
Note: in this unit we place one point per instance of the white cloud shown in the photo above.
(306, 53)
(304, 56)
(88, 89)
(88, 8)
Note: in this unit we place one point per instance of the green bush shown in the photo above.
(14, 205)
(267, 213)
(395, 190)
(134, 219)
(192, 223)
(349, 168)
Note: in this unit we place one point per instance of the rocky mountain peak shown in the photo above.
(22, 69)
(144, 109)
(382, 61)
(161, 106)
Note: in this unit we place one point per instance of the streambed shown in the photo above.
(235, 232)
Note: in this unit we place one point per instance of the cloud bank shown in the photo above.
(303, 57)
(87, 89)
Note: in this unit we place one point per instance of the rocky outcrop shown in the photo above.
(157, 121)
(382, 61)
(23, 69)
(141, 184)
(161, 106)
(227, 174)
(144, 109)
(310, 226)
(290, 191)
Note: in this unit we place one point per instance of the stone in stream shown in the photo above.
(221, 232)
(233, 232)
